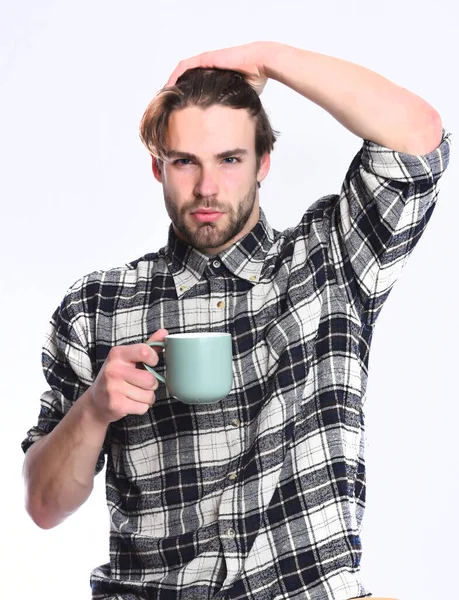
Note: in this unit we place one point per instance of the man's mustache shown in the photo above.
(205, 204)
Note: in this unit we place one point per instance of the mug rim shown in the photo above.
(197, 335)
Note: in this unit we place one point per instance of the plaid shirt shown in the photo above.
(260, 496)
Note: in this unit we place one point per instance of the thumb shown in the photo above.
(158, 336)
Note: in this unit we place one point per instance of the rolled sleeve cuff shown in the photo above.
(47, 421)
(398, 166)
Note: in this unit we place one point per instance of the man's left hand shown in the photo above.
(246, 59)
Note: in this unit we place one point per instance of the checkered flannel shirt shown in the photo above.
(261, 495)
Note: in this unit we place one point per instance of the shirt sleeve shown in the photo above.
(385, 203)
(67, 368)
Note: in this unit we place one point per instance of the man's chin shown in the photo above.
(208, 242)
(201, 237)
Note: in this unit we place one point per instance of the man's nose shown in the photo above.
(207, 184)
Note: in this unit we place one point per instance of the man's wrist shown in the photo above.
(264, 53)
(91, 416)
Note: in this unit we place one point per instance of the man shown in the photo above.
(261, 495)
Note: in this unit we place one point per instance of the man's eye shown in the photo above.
(182, 161)
(232, 160)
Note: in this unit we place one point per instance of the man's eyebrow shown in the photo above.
(226, 154)
(235, 152)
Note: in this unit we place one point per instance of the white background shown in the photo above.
(77, 194)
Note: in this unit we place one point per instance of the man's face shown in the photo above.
(210, 176)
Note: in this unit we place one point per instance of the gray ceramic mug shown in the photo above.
(199, 366)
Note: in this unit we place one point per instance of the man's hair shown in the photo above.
(204, 88)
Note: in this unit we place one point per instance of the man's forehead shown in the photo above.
(232, 126)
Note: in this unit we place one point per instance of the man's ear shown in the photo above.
(263, 169)
(156, 166)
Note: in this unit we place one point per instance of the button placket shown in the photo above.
(217, 302)
(232, 557)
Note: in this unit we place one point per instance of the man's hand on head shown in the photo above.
(247, 59)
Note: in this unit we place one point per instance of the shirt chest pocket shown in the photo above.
(292, 333)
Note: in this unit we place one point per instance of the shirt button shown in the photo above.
(231, 533)
(220, 304)
(232, 476)
(235, 422)
(216, 263)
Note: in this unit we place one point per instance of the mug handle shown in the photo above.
(157, 375)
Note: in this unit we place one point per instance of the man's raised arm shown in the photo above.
(369, 105)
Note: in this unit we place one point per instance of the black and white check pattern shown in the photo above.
(260, 496)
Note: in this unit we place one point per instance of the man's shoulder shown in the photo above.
(114, 280)
(316, 215)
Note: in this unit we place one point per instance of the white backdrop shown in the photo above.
(77, 194)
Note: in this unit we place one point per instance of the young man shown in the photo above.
(262, 494)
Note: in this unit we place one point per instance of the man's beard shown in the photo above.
(208, 235)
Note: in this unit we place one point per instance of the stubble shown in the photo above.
(211, 235)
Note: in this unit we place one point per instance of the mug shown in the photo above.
(199, 366)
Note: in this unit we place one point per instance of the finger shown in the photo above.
(201, 60)
(137, 394)
(179, 70)
(136, 353)
(137, 408)
(141, 378)
(158, 336)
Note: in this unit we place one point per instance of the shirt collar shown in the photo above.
(243, 259)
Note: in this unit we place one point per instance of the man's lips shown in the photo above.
(206, 216)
